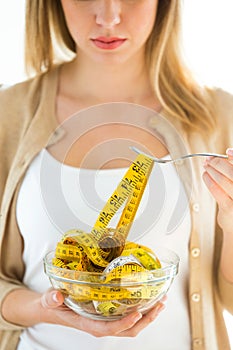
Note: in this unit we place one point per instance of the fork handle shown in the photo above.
(207, 155)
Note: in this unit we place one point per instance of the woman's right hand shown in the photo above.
(54, 311)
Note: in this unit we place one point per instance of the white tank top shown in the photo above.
(54, 198)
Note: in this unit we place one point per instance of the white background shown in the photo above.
(208, 29)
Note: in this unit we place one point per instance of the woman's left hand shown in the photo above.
(218, 177)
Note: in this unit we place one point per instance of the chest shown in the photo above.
(100, 136)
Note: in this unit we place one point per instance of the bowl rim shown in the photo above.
(159, 275)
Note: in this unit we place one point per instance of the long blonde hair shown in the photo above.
(174, 86)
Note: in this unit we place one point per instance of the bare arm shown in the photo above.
(27, 308)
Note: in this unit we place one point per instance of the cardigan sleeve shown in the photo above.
(225, 292)
(11, 263)
(224, 140)
(14, 120)
(224, 114)
(23, 107)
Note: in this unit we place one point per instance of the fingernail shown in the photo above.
(208, 158)
(229, 151)
(164, 298)
(54, 297)
(137, 317)
(160, 307)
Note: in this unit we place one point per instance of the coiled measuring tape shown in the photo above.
(107, 250)
(96, 244)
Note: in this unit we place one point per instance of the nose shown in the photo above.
(108, 13)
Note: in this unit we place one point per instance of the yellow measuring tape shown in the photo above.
(131, 187)
(107, 250)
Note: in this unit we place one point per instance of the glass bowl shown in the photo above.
(93, 295)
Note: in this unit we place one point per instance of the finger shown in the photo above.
(222, 198)
(144, 321)
(224, 182)
(105, 328)
(51, 299)
(163, 299)
(120, 327)
(223, 166)
(229, 152)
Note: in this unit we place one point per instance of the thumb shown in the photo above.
(229, 152)
(51, 299)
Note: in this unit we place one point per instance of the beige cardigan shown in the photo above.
(27, 119)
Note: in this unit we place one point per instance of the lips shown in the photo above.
(109, 43)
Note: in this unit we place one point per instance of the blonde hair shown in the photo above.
(174, 86)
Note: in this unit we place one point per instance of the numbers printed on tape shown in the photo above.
(84, 292)
(131, 187)
(93, 252)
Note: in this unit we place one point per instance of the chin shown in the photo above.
(111, 58)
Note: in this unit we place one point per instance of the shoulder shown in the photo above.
(15, 99)
(18, 103)
(222, 95)
(223, 108)
(17, 108)
(18, 90)
(223, 102)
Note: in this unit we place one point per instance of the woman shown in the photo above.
(127, 52)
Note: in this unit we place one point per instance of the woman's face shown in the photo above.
(110, 30)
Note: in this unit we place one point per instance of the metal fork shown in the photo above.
(159, 160)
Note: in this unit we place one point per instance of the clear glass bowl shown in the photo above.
(90, 294)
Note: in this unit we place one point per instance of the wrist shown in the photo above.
(21, 307)
(45, 315)
(48, 303)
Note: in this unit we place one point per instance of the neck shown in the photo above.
(104, 82)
